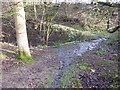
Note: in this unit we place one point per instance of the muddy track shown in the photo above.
(66, 53)
(51, 61)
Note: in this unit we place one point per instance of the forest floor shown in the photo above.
(63, 66)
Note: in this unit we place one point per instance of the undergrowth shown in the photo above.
(69, 78)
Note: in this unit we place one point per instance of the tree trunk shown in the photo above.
(20, 26)
(35, 10)
(66, 8)
(42, 19)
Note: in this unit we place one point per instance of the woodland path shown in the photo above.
(51, 62)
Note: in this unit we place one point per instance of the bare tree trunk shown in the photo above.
(35, 10)
(20, 26)
(43, 13)
(66, 7)
(47, 34)
(42, 25)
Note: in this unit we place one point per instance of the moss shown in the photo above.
(24, 55)
(27, 57)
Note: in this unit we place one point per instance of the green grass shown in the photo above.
(57, 44)
(101, 52)
(103, 62)
(75, 34)
(100, 33)
(42, 46)
(92, 31)
(113, 38)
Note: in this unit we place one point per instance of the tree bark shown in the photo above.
(20, 26)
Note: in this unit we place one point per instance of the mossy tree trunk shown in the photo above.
(20, 26)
